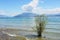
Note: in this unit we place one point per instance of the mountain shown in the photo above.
(57, 15)
(4, 16)
(53, 15)
(26, 15)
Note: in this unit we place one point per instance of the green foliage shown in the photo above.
(40, 23)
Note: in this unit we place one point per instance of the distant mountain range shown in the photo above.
(26, 15)
(3, 16)
(53, 15)
(32, 15)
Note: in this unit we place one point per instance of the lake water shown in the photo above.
(52, 27)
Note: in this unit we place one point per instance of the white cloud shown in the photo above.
(32, 7)
(3, 12)
(40, 10)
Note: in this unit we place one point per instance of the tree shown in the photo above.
(40, 24)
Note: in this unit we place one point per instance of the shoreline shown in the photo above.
(31, 35)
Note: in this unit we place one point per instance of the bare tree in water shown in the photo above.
(40, 24)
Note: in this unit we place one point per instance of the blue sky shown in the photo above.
(50, 4)
(14, 7)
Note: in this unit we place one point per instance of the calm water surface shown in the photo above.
(52, 28)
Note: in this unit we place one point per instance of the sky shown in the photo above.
(15, 7)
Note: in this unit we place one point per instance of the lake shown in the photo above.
(52, 29)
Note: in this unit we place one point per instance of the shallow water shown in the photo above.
(52, 29)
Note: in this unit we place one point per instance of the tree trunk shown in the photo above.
(40, 30)
(39, 34)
